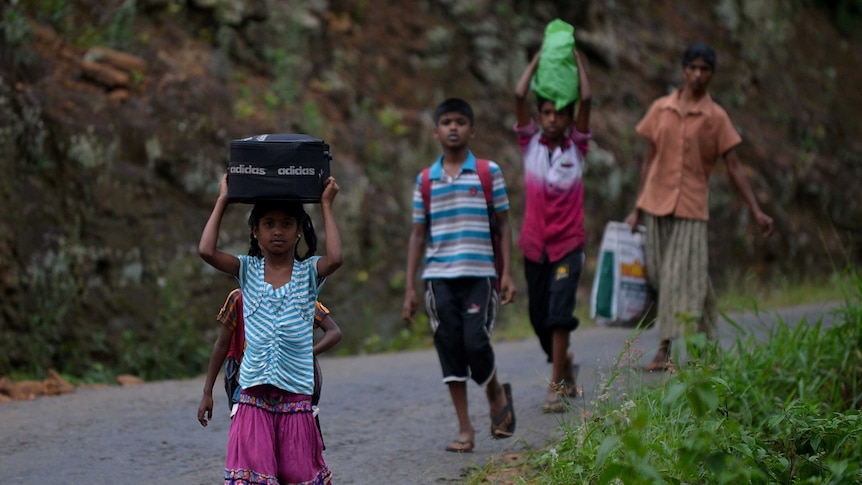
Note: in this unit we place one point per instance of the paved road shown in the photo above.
(385, 418)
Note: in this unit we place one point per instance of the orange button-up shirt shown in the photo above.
(687, 148)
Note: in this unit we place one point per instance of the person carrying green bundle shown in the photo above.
(556, 76)
(552, 238)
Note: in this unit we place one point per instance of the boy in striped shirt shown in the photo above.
(459, 273)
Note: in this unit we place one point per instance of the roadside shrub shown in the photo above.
(782, 405)
(173, 348)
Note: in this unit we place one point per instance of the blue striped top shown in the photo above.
(460, 236)
(279, 326)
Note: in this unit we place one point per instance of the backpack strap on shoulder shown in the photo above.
(483, 169)
(240, 323)
(425, 189)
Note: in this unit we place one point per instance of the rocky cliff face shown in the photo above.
(115, 119)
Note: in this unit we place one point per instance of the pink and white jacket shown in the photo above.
(554, 215)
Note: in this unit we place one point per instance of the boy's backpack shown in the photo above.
(483, 169)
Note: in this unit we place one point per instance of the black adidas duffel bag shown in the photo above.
(277, 167)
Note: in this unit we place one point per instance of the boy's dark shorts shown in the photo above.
(555, 284)
(462, 312)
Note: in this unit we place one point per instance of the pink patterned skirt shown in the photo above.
(274, 440)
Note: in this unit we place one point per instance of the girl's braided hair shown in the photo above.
(293, 209)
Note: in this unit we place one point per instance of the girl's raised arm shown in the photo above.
(327, 264)
(207, 247)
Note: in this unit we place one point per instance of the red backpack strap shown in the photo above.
(426, 193)
(240, 327)
(483, 169)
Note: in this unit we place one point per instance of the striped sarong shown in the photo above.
(677, 265)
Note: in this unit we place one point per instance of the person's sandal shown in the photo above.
(498, 431)
(460, 446)
(658, 366)
(554, 405)
(570, 389)
(559, 396)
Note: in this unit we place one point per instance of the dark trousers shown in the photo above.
(461, 312)
(552, 290)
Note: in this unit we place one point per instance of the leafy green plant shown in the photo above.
(284, 65)
(15, 32)
(392, 118)
(243, 106)
(57, 279)
(312, 119)
(285, 60)
(55, 12)
(173, 347)
(415, 336)
(782, 405)
(121, 29)
(747, 291)
(116, 29)
(271, 101)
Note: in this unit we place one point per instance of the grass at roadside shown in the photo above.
(514, 323)
(781, 292)
(785, 409)
(749, 294)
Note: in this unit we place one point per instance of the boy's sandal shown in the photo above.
(503, 426)
(555, 405)
(570, 388)
(460, 446)
(559, 396)
(658, 366)
(567, 389)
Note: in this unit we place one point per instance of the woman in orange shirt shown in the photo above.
(686, 133)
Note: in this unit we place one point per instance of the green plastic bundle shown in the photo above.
(556, 76)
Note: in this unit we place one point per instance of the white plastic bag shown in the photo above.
(620, 294)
